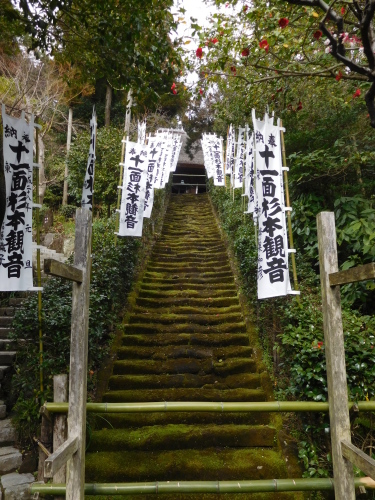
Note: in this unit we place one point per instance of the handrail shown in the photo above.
(220, 407)
(159, 487)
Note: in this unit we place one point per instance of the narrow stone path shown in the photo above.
(186, 340)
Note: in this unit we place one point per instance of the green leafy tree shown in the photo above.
(107, 170)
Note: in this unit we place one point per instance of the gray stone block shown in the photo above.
(7, 432)
(10, 459)
(17, 486)
(3, 411)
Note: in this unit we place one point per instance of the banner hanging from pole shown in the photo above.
(240, 159)
(273, 269)
(16, 272)
(154, 155)
(133, 189)
(88, 184)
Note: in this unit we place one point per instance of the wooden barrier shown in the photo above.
(72, 451)
(344, 453)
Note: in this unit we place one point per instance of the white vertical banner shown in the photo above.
(133, 189)
(240, 158)
(154, 153)
(16, 272)
(88, 183)
(217, 153)
(273, 271)
(250, 173)
(166, 164)
(228, 152)
(206, 147)
(176, 146)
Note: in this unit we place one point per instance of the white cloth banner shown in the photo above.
(154, 154)
(228, 153)
(166, 165)
(207, 156)
(88, 184)
(217, 153)
(133, 189)
(240, 159)
(249, 174)
(16, 272)
(273, 271)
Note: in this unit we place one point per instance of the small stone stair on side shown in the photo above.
(186, 340)
(45, 253)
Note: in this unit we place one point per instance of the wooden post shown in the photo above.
(46, 441)
(60, 425)
(78, 356)
(335, 357)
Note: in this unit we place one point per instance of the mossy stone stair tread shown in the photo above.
(193, 339)
(188, 464)
(186, 339)
(180, 436)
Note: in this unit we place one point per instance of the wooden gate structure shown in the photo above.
(344, 453)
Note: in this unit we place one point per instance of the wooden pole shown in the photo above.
(287, 199)
(68, 143)
(78, 356)
(60, 425)
(39, 276)
(335, 357)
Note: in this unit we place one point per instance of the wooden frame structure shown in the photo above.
(344, 453)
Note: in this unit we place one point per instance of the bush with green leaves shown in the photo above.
(107, 169)
(112, 276)
(295, 329)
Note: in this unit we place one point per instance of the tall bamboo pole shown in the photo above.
(219, 407)
(286, 184)
(217, 487)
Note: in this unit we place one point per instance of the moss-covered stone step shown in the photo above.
(194, 302)
(189, 272)
(188, 465)
(186, 290)
(172, 437)
(210, 381)
(136, 328)
(190, 257)
(207, 318)
(183, 351)
(204, 366)
(185, 267)
(205, 308)
(136, 420)
(189, 279)
(178, 248)
(185, 394)
(192, 339)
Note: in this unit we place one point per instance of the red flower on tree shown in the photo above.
(283, 22)
(201, 91)
(263, 44)
(317, 34)
(357, 93)
(338, 76)
(199, 52)
(214, 40)
(299, 106)
(343, 11)
(245, 7)
(233, 69)
(245, 52)
(173, 88)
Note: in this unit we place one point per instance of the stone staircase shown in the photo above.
(186, 340)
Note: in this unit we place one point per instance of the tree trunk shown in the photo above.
(108, 102)
(128, 112)
(42, 176)
(68, 142)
